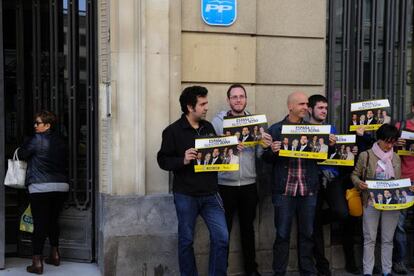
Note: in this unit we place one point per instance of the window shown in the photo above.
(369, 55)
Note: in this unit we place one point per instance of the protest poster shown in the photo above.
(370, 114)
(305, 141)
(408, 149)
(390, 194)
(216, 154)
(248, 129)
(345, 151)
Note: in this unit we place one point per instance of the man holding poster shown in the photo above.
(194, 193)
(238, 189)
(331, 191)
(294, 192)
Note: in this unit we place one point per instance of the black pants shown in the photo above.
(334, 195)
(243, 200)
(45, 211)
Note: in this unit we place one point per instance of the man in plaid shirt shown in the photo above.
(294, 192)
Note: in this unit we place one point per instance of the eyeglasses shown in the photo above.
(36, 123)
(241, 97)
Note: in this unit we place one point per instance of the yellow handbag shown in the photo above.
(353, 196)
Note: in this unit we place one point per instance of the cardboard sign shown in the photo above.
(345, 152)
(390, 194)
(216, 154)
(305, 141)
(408, 150)
(370, 114)
(248, 129)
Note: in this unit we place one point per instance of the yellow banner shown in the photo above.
(405, 153)
(337, 162)
(303, 154)
(216, 168)
(393, 206)
(366, 127)
(251, 144)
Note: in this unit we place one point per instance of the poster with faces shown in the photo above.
(345, 151)
(305, 141)
(370, 114)
(248, 129)
(390, 194)
(408, 149)
(216, 154)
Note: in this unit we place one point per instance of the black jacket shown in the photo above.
(281, 164)
(46, 156)
(176, 139)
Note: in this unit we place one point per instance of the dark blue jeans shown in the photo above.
(400, 239)
(210, 208)
(286, 209)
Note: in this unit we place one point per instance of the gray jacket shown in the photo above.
(247, 158)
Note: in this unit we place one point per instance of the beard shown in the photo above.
(316, 118)
(238, 108)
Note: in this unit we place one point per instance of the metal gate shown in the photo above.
(50, 63)
(2, 203)
(369, 55)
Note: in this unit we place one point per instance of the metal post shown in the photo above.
(373, 50)
(36, 59)
(331, 55)
(2, 137)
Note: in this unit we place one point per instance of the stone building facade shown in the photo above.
(148, 52)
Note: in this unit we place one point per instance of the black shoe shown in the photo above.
(376, 270)
(399, 268)
(254, 273)
(325, 272)
(353, 270)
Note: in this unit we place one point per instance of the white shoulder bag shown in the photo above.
(16, 172)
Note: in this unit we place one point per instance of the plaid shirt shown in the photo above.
(296, 182)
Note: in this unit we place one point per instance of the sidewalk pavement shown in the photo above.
(17, 267)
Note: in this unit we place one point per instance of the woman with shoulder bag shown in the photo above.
(380, 163)
(48, 186)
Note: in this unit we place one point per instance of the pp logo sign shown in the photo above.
(219, 12)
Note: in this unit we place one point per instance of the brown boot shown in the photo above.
(54, 257)
(37, 265)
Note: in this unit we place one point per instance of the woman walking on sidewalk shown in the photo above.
(47, 183)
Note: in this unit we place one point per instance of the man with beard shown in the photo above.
(216, 157)
(194, 193)
(304, 143)
(332, 191)
(370, 118)
(246, 137)
(238, 189)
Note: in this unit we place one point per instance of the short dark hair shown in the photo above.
(236, 85)
(190, 95)
(314, 99)
(47, 117)
(388, 133)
